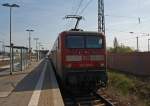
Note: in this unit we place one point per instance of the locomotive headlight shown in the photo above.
(102, 65)
(73, 58)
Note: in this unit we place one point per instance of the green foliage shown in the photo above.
(123, 84)
(121, 49)
(116, 44)
(130, 85)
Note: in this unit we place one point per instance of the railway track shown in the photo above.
(93, 99)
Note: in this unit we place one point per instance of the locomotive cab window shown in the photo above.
(94, 42)
(75, 42)
(86, 41)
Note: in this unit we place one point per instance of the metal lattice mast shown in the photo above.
(101, 17)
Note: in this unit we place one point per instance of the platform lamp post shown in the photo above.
(148, 45)
(36, 40)
(10, 6)
(39, 50)
(3, 47)
(137, 41)
(40, 44)
(29, 30)
(42, 48)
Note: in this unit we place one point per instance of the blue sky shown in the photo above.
(46, 18)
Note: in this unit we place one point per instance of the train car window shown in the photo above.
(75, 42)
(94, 42)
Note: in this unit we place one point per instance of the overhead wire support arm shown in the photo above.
(75, 17)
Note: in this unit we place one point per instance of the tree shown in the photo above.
(119, 48)
(116, 44)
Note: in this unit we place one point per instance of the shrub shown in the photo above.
(121, 82)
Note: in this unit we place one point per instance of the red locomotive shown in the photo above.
(79, 58)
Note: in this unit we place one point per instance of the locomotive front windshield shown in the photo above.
(84, 42)
(75, 42)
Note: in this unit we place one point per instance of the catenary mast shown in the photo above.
(101, 16)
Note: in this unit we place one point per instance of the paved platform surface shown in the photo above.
(34, 87)
(50, 95)
(5, 70)
(8, 83)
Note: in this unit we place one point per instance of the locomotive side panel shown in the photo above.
(53, 54)
(59, 57)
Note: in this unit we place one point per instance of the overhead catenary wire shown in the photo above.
(121, 16)
(127, 39)
(74, 11)
(79, 6)
(73, 7)
(85, 7)
(115, 30)
(139, 19)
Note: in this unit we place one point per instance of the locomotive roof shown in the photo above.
(83, 32)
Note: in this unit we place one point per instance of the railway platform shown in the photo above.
(36, 86)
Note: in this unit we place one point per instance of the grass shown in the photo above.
(130, 87)
(121, 82)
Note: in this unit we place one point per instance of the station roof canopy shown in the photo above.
(18, 47)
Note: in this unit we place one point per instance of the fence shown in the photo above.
(137, 63)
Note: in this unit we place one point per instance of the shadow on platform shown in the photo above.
(29, 82)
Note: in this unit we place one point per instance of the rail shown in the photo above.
(92, 99)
